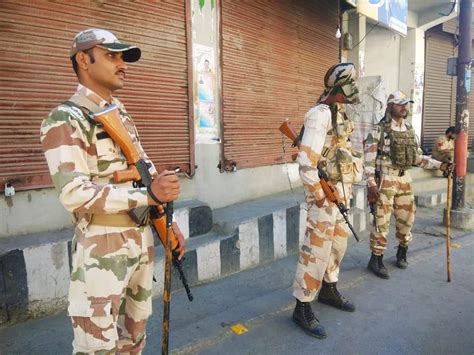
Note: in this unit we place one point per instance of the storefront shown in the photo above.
(36, 75)
(274, 57)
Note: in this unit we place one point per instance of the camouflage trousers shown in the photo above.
(396, 195)
(322, 251)
(111, 288)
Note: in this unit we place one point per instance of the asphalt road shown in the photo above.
(415, 312)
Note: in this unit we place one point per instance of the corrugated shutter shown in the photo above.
(36, 75)
(440, 89)
(274, 57)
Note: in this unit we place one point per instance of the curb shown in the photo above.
(34, 279)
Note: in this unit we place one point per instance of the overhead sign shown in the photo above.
(389, 13)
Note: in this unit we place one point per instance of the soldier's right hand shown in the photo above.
(165, 187)
(373, 194)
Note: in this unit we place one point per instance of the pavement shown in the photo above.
(415, 312)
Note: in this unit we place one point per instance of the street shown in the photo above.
(415, 312)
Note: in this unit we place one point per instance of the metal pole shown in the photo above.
(448, 228)
(462, 101)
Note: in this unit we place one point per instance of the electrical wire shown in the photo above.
(366, 34)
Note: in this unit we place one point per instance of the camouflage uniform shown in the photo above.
(112, 263)
(443, 149)
(395, 188)
(325, 241)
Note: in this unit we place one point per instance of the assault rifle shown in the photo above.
(138, 173)
(329, 189)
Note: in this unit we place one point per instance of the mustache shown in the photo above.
(121, 72)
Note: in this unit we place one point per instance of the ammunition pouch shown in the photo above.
(403, 149)
(346, 166)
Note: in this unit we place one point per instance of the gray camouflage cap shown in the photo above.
(95, 37)
(398, 98)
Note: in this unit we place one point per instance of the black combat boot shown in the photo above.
(377, 267)
(402, 257)
(330, 295)
(303, 316)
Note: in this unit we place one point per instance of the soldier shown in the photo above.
(390, 150)
(443, 147)
(112, 258)
(325, 141)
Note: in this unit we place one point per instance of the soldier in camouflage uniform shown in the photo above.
(443, 147)
(390, 150)
(325, 141)
(112, 258)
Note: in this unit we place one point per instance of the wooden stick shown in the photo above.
(448, 228)
(167, 282)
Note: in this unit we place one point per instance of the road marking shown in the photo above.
(239, 328)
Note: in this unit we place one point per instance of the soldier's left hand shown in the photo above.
(181, 249)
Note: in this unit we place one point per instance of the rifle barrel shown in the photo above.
(350, 227)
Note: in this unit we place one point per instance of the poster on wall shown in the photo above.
(206, 122)
(389, 13)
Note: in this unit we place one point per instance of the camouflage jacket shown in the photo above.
(82, 158)
(318, 143)
(376, 159)
(443, 149)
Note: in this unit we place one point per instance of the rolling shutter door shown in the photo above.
(36, 75)
(274, 57)
(440, 89)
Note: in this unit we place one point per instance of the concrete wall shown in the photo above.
(382, 55)
(32, 211)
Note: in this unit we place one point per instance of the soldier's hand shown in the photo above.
(373, 194)
(165, 187)
(446, 167)
(181, 249)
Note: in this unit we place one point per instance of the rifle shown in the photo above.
(373, 212)
(138, 172)
(373, 205)
(329, 189)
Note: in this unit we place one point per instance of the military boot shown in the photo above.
(402, 257)
(330, 295)
(377, 267)
(303, 316)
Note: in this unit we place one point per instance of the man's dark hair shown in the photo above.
(451, 129)
(75, 66)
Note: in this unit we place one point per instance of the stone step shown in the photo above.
(419, 173)
(429, 184)
(438, 197)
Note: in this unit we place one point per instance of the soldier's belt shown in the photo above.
(392, 171)
(112, 220)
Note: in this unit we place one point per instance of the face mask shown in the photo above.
(351, 92)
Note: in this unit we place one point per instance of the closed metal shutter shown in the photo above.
(274, 57)
(36, 75)
(439, 109)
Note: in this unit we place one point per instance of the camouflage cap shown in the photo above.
(398, 98)
(95, 37)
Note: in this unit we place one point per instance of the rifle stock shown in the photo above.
(329, 189)
(112, 124)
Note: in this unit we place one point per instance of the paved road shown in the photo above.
(415, 312)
